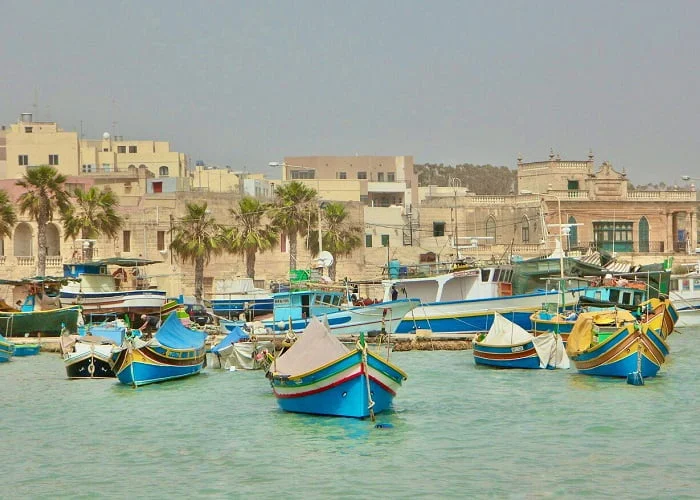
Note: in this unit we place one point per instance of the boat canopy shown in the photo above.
(314, 348)
(175, 335)
(236, 335)
(549, 347)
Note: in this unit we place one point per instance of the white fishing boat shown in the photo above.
(463, 300)
(685, 295)
(125, 289)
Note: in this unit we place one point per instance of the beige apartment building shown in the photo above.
(130, 167)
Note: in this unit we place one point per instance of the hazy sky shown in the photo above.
(245, 83)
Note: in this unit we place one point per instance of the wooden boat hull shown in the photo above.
(522, 355)
(27, 349)
(633, 348)
(149, 364)
(138, 301)
(48, 323)
(340, 388)
(368, 319)
(474, 316)
(7, 349)
(231, 308)
(89, 365)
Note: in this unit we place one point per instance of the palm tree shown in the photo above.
(44, 194)
(197, 237)
(340, 235)
(8, 216)
(249, 234)
(92, 215)
(294, 208)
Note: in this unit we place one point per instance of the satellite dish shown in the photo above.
(325, 259)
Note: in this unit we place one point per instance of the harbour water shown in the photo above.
(458, 431)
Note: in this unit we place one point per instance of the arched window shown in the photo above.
(643, 234)
(491, 229)
(163, 171)
(525, 229)
(23, 239)
(133, 170)
(573, 233)
(53, 240)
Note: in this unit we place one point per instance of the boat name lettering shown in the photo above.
(516, 349)
(471, 272)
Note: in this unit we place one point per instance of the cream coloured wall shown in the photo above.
(44, 139)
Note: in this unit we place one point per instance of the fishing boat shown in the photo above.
(173, 352)
(462, 300)
(22, 350)
(238, 350)
(87, 356)
(321, 376)
(508, 345)
(233, 297)
(107, 325)
(630, 347)
(685, 294)
(127, 289)
(293, 311)
(7, 349)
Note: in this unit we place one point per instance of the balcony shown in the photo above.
(386, 187)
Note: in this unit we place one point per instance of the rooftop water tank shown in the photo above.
(25, 117)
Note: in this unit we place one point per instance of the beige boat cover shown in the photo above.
(315, 347)
(581, 335)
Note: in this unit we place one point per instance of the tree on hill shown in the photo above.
(480, 179)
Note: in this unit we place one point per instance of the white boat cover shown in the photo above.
(549, 347)
(550, 350)
(315, 347)
(505, 332)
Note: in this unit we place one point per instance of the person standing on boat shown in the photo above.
(394, 293)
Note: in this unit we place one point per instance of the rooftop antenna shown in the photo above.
(114, 121)
(35, 105)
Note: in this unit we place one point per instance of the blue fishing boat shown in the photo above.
(634, 348)
(7, 349)
(321, 376)
(233, 297)
(508, 345)
(175, 351)
(27, 349)
(105, 325)
(294, 309)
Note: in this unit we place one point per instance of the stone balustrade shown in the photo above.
(662, 195)
(26, 261)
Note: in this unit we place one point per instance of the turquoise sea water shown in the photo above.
(459, 431)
